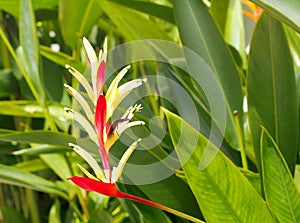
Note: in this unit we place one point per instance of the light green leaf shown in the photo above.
(132, 25)
(14, 176)
(61, 58)
(31, 165)
(12, 6)
(281, 191)
(59, 164)
(272, 99)
(286, 11)
(218, 10)
(29, 46)
(193, 18)
(234, 33)
(77, 18)
(222, 191)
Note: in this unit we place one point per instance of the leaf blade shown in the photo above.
(222, 191)
(281, 192)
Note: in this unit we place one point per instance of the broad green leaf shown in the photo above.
(222, 191)
(272, 99)
(77, 18)
(234, 33)
(286, 11)
(32, 109)
(61, 58)
(31, 165)
(158, 10)
(193, 20)
(12, 6)
(14, 176)
(218, 10)
(30, 49)
(281, 191)
(132, 25)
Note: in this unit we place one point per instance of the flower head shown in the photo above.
(97, 124)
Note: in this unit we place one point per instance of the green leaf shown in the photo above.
(131, 24)
(193, 21)
(234, 29)
(32, 109)
(42, 149)
(222, 191)
(272, 99)
(30, 49)
(157, 10)
(281, 191)
(14, 176)
(55, 212)
(77, 18)
(31, 165)
(9, 214)
(286, 11)
(8, 83)
(218, 10)
(59, 164)
(61, 58)
(43, 137)
(12, 6)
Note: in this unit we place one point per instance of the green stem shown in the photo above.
(33, 207)
(240, 140)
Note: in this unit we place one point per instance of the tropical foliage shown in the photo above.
(214, 134)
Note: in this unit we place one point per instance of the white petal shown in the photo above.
(112, 90)
(83, 81)
(125, 125)
(93, 62)
(84, 123)
(81, 101)
(90, 160)
(124, 90)
(116, 173)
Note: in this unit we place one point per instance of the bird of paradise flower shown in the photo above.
(105, 133)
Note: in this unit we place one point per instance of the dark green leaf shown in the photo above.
(193, 21)
(272, 100)
(160, 11)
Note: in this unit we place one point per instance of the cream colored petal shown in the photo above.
(90, 160)
(93, 62)
(83, 81)
(116, 172)
(83, 103)
(84, 123)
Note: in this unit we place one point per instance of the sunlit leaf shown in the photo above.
(281, 191)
